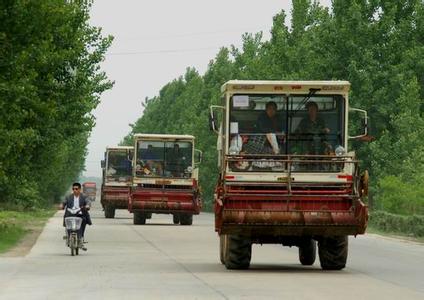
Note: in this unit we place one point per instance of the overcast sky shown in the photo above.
(155, 41)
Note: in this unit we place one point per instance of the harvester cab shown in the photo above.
(117, 165)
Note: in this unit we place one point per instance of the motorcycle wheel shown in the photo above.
(72, 244)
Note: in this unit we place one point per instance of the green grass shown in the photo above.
(10, 237)
(374, 230)
(406, 225)
(14, 225)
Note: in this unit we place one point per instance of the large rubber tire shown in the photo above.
(176, 219)
(238, 252)
(222, 249)
(186, 219)
(109, 212)
(139, 218)
(307, 252)
(333, 252)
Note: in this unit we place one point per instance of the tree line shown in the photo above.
(50, 81)
(377, 45)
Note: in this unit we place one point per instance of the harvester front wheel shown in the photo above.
(333, 252)
(222, 247)
(186, 219)
(109, 212)
(307, 252)
(238, 252)
(176, 219)
(139, 218)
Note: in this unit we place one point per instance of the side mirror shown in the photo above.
(364, 122)
(103, 164)
(213, 117)
(212, 121)
(130, 155)
(198, 156)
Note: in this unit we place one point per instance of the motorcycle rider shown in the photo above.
(78, 200)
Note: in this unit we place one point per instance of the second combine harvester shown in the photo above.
(165, 178)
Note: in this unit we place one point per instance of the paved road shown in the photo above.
(163, 261)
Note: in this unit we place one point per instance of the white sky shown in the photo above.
(155, 41)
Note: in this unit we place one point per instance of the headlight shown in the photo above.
(340, 150)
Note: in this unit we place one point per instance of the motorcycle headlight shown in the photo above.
(340, 151)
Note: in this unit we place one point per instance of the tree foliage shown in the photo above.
(377, 45)
(50, 81)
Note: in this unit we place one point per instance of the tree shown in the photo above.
(50, 81)
(377, 45)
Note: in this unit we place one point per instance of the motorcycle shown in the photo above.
(73, 226)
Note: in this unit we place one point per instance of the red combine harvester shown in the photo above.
(90, 189)
(117, 179)
(165, 178)
(286, 176)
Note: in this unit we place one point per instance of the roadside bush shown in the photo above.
(7, 226)
(3, 226)
(388, 222)
(24, 197)
(398, 196)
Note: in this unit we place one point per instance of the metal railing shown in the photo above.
(290, 165)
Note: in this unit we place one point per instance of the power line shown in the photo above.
(193, 34)
(163, 51)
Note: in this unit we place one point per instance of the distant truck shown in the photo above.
(286, 176)
(165, 178)
(116, 179)
(90, 189)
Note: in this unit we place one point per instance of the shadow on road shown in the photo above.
(116, 218)
(287, 268)
(260, 269)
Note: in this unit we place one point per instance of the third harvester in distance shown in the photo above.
(116, 179)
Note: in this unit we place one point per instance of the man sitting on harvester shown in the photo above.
(312, 132)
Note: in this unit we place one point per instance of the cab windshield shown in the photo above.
(164, 159)
(279, 124)
(119, 165)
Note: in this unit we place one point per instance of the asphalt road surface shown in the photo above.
(164, 261)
